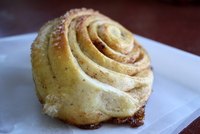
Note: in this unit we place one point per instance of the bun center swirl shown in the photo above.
(117, 38)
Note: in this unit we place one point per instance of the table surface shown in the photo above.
(174, 23)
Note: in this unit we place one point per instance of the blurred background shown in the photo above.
(174, 22)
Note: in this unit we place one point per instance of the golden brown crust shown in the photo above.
(134, 121)
(89, 69)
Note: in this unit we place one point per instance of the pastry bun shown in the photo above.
(89, 69)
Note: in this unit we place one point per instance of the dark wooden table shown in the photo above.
(174, 23)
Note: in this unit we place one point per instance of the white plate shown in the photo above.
(176, 94)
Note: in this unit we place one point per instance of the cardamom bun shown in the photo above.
(89, 69)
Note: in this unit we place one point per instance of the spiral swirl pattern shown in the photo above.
(88, 68)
